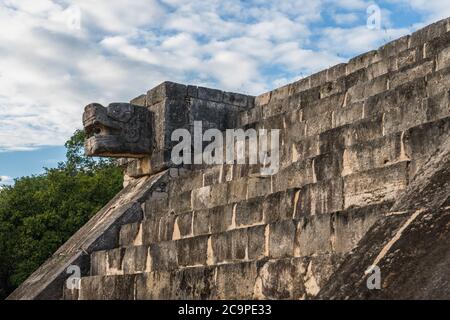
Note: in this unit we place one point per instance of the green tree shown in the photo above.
(39, 213)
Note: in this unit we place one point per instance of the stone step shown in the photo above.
(414, 145)
(357, 87)
(427, 103)
(427, 43)
(284, 278)
(277, 213)
(383, 114)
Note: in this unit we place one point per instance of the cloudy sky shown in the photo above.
(57, 56)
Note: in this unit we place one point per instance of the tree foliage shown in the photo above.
(39, 213)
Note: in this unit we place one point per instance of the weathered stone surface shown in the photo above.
(162, 256)
(249, 212)
(375, 186)
(320, 198)
(107, 288)
(135, 259)
(313, 235)
(281, 239)
(236, 281)
(130, 234)
(192, 251)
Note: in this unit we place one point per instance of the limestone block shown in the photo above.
(201, 223)
(229, 246)
(379, 68)
(154, 285)
(115, 259)
(327, 166)
(256, 247)
(107, 288)
(219, 195)
(348, 115)
(258, 186)
(99, 263)
(194, 284)
(365, 90)
(363, 61)
(166, 227)
(237, 190)
(309, 96)
(433, 47)
(201, 198)
(295, 127)
(236, 99)
(70, 294)
(164, 90)
(236, 281)
(184, 224)
(262, 99)
(210, 94)
(437, 106)
(336, 72)
(395, 47)
(281, 279)
(156, 207)
(355, 78)
(363, 130)
(299, 86)
(443, 59)
(192, 251)
(190, 181)
(279, 206)
(296, 175)
(318, 78)
(150, 230)
(375, 186)
(320, 198)
(278, 107)
(428, 33)
(242, 119)
(408, 57)
(374, 154)
(351, 225)
(330, 103)
(221, 218)
(319, 124)
(313, 235)
(438, 82)
(332, 88)
(280, 93)
(405, 117)
(405, 76)
(249, 212)
(135, 259)
(281, 239)
(163, 256)
(211, 176)
(423, 141)
(181, 202)
(306, 148)
(130, 234)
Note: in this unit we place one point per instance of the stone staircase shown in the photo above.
(352, 137)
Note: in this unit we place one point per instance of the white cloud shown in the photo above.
(49, 70)
(345, 18)
(6, 180)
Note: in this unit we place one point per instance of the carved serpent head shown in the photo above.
(119, 130)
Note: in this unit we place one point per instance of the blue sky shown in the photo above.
(57, 56)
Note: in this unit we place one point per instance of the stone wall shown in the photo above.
(353, 137)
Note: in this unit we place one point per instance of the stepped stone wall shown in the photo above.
(363, 149)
